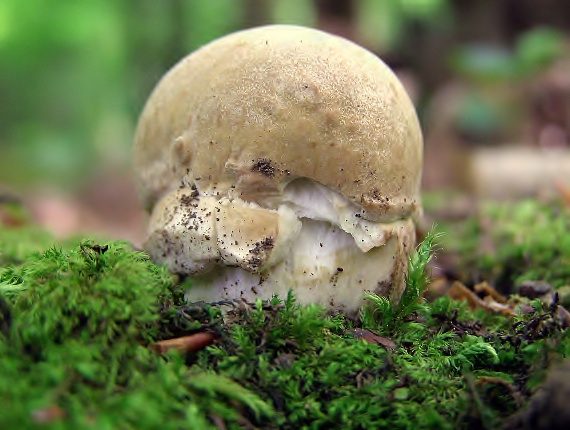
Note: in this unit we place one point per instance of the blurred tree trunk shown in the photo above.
(255, 13)
(522, 15)
(480, 20)
(337, 17)
(156, 40)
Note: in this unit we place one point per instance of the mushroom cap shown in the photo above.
(252, 111)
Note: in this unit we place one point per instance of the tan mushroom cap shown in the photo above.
(252, 111)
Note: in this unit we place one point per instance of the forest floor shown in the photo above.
(94, 335)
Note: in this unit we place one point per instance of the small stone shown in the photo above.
(534, 289)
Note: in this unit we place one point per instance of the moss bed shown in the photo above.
(78, 322)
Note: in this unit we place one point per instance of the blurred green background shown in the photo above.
(74, 75)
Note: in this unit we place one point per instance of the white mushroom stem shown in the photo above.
(323, 266)
(310, 236)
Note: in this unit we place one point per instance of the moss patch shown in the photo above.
(76, 323)
(508, 243)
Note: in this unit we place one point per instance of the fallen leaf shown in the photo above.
(185, 344)
(458, 291)
(370, 337)
(484, 289)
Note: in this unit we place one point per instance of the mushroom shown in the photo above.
(279, 158)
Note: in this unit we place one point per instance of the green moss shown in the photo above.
(532, 241)
(509, 243)
(75, 326)
(16, 244)
(76, 322)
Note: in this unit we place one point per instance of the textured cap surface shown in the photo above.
(252, 111)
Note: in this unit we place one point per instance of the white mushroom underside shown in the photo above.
(309, 239)
(323, 266)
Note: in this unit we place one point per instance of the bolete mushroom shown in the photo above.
(281, 158)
